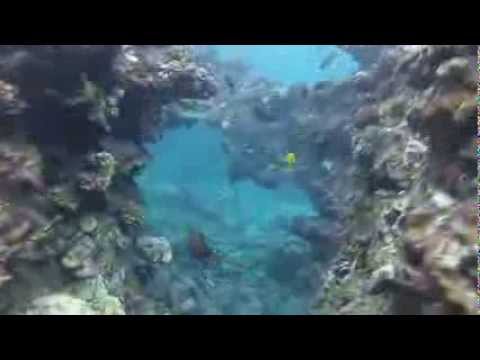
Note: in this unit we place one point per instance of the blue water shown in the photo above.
(193, 161)
(291, 64)
(187, 185)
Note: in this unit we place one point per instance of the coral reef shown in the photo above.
(155, 249)
(387, 158)
(131, 216)
(406, 251)
(10, 102)
(59, 304)
(74, 119)
(98, 177)
(399, 135)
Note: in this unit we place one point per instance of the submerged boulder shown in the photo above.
(155, 249)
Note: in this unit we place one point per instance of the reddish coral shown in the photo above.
(199, 249)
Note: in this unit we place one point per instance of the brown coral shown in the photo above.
(442, 251)
(20, 166)
(100, 171)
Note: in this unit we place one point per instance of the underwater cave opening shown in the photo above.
(264, 268)
(187, 187)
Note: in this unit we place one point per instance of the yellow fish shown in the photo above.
(290, 159)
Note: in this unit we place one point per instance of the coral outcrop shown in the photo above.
(388, 158)
(412, 234)
(74, 122)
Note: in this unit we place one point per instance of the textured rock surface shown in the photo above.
(59, 304)
(387, 157)
(155, 249)
(407, 252)
(374, 150)
(74, 122)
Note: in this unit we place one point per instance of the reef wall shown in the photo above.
(412, 235)
(388, 158)
(74, 120)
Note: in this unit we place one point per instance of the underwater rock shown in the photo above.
(169, 68)
(130, 158)
(122, 241)
(155, 249)
(88, 224)
(18, 225)
(457, 69)
(88, 269)
(5, 276)
(109, 305)
(188, 306)
(183, 296)
(95, 293)
(131, 216)
(363, 81)
(100, 108)
(68, 96)
(444, 253)
(381, 277)
(323, 235)
(78, 260)
(99, 174)
(59, 304)
(368, 115)
(152, 77)
(442, 200)
(64, 197)
(287, 262)
(62, 104)
(308, 228)
(159, 284)
(414, 178)
(21, 167)
(440, 110)
(84, 297)
(10, 102)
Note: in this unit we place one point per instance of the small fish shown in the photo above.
(328, 60)
(209, 282)
(290, 159)
(304, 92)
(327, 165)
(230, 83)
(200, 250)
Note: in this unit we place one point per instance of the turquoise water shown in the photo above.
(187, 185)
(291, 64)
(192, 161)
